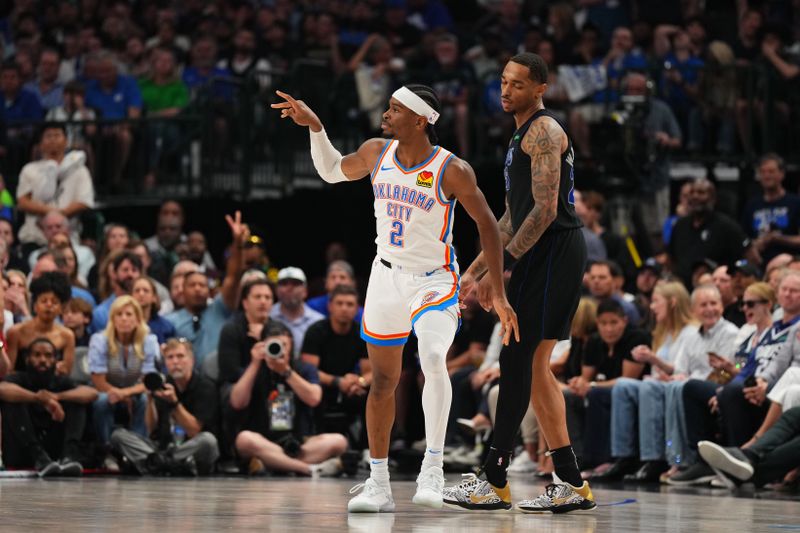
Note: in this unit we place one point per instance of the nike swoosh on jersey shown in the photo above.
(386, 168)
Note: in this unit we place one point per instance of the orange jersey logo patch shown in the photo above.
(425, 179)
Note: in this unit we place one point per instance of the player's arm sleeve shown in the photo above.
(327, 159)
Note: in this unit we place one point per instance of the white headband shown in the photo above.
(408, 98)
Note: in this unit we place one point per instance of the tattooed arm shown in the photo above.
(479, 266)
(544, 143)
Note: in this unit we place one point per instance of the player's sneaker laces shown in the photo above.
(475, 492)
(373, 498)
(430, 484)
(560, 497)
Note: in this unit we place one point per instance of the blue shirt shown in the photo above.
(121, 371)
(219, 83)
(100, 314)
(25, 106)
(615, 71)
(115, 103)
(52, 98)
(161, 328)
(204, 335)
(320, 305)
(689, 70)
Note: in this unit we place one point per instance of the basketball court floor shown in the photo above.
(294, 505)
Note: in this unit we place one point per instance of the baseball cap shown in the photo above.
(651, 264)
(291, 273)
(745, 267)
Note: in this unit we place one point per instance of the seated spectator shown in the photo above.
(772, 219)
(256, 258)
(243, 60)
(73, 110)
(58, 182)
(162, 245)
(54, 226)
(201, 321)
(203, 77)
(197, 252)
(145, 293)
(340, 272)
(19, 105)
(334, 346)
(16, 258)
(595, 247)
(126, 268)
(116, 97)
(279, 432)
(648, 276)
(601, 285)
(374, 68)
(46, 86)
(119, 357)
(66, 263)
(724, 283)
(176, 283)
(165, 303)
(49, 293)
(682, 70)
(704, 234)
(164, 95)
(77, 315)
(187, 405)
(17, 297)
(770, 459)
(451, 78)
(760, 360)
(292, 309)
(607, 357)
(116, 238)
(44, 415)
(635, 402)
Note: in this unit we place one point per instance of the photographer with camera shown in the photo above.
(275, 398)
(183, 406)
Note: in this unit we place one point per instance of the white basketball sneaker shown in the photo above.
(373, 498)
(430, 483)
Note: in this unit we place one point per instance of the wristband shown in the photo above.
(287, 374)
(336, 381)
(508, 260)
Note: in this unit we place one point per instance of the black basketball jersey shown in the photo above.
(519, 190)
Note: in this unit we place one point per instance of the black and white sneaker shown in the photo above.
(70, 468)
(476, 493)
(560, 497)
(729, 461)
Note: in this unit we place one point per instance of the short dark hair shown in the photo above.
(610, 305)
(536, 65)
(343, 290)
(79, 305)
(55, 282)
(51, 126)
(10, 64)
(772, 156)
(612, 266)
(127, 255)
(247, 287)
(274, 328)
(428, 95)
(41, 340)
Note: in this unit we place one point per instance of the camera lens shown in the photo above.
(274, 349)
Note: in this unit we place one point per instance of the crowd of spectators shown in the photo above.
(142, 355)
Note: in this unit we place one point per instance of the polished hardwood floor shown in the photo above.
(293, 505)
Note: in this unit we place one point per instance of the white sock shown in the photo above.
(379, 471)
(435, 331)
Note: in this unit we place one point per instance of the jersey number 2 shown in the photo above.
(396, 236)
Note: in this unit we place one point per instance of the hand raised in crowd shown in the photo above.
(167, 394)
(239, 230)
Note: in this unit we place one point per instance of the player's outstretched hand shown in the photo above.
(298, 111)
(508, 318)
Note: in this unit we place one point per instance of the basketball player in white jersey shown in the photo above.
(415, 278)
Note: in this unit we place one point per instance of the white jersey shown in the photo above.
(414, 219)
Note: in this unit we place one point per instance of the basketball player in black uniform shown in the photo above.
(546, 253)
